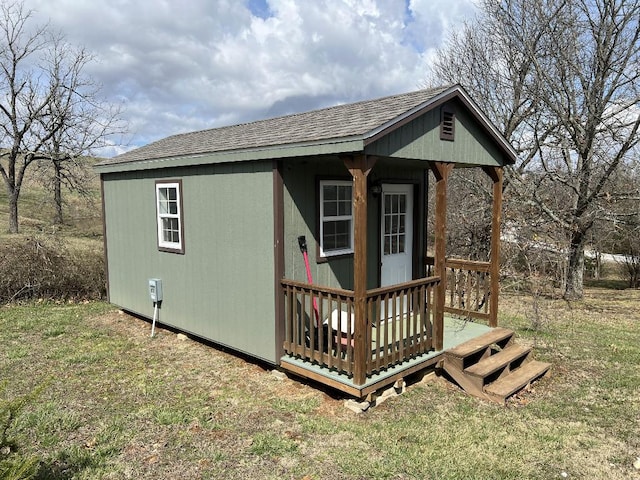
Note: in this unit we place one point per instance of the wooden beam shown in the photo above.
(496, 174)
(278, 255)
(104, 239)
(360, 166)
(303, 372)
(441, 172)
(356, 391)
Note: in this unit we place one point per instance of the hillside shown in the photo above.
(82, 214)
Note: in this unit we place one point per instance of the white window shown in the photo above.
(336, 218)
(169, 210)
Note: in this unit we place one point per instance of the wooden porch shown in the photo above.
(401, 332)
(457, 332)
(363, 339)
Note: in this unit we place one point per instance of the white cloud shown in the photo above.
(191, 65)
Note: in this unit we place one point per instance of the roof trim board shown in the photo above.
(333, 147)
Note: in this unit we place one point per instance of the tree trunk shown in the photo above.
(13, 211)
(57, 192)
(574, 288)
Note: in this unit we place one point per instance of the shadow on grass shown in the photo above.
(66, 466)
(607, 283)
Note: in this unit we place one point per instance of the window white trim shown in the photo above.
(337, 216)
(169, 216)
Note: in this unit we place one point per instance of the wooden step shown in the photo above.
(477, 344)
(495, 362)
(516, 380)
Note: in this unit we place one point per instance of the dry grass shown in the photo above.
(52, 268)
(122, 405)
(81, 213)
(46, 260)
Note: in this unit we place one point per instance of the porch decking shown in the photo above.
(456, 332)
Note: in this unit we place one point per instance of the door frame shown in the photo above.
(417, 226)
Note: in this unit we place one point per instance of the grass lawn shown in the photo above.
(118, 404)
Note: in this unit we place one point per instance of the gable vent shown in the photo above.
(447, 123)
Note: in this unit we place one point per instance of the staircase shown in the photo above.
(492, 366)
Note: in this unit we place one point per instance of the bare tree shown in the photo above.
(469, 228)
(80, 121)
(45, 105)
(562, 80)
(630, 248)
(619, 231)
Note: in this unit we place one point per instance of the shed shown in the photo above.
(217, 216)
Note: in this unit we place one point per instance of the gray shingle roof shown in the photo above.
(338, 122)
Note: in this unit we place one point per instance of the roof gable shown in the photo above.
(363, 121)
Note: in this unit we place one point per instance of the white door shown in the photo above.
(396, 234)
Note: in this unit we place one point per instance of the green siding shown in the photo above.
(301, 218)
(419, 139)
(222, 287)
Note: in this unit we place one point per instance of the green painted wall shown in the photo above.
(301, 216)
(222, 287)
(420, 140)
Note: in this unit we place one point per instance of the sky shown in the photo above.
(177, 66)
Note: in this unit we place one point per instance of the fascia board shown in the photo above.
(331, 147)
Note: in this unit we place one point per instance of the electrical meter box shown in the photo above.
(155, 289)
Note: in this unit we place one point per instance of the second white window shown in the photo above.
(336, 218)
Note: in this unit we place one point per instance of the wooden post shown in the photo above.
(359, 166)
(441, 172)
(496, 174)
(278, 254)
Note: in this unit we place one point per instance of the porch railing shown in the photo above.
(468, 287)
(320, 324)
(400, 322)
(308, 312)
